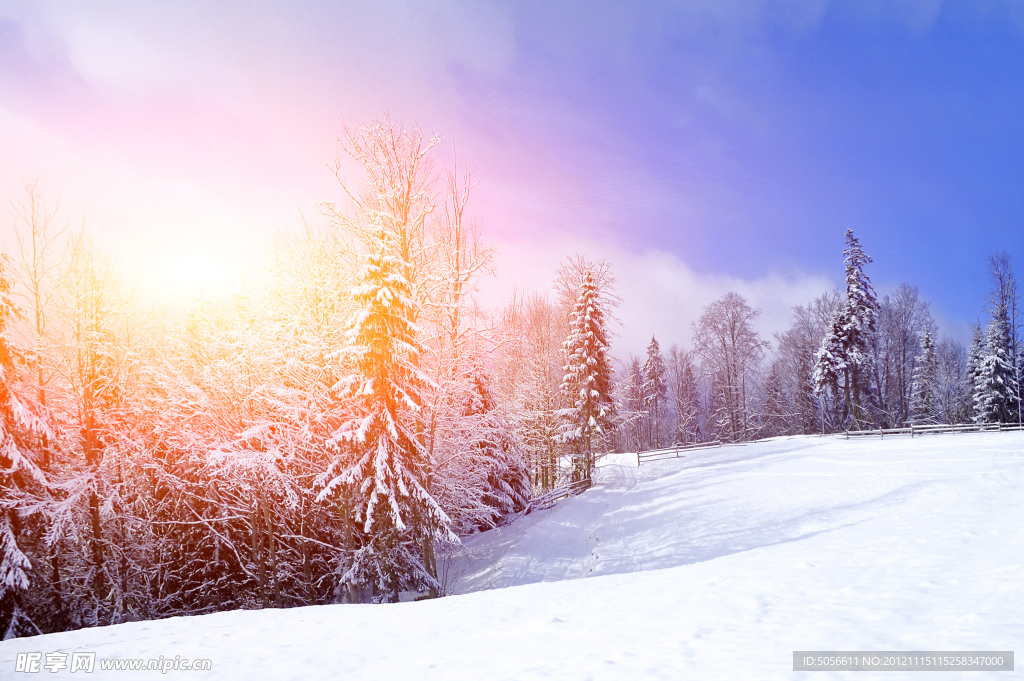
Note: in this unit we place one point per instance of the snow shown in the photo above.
(717, 565)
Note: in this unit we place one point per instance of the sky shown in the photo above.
(699, 147)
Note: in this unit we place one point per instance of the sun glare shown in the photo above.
(182, 274)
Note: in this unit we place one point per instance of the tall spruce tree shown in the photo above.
(845, 353)
(861, 324)
(380, 463)
(655, 388)
(587, 382)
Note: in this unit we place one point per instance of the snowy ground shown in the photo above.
(715, 566)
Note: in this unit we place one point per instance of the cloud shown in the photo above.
(662, 294)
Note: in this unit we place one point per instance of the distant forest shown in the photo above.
(330, 435)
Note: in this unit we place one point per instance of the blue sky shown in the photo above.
(698, 146)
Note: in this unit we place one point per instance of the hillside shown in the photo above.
(717, 565)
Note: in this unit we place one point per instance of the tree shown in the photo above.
(925, 400)
(730, 352)
(654, 389)
(587, 382)
(775, 418)
(20, 420)
(528, 378)
(954, 393)
(37, 264)
(797, 350)
(845, 353)
(972, 375)
(397, 196)
(902, 320)
(995, 393)
(684, 392)
(631, 409)
(830, 366)
(486, 474)
(384, 475)
(1005, 303)
(94, 356)
(39, 240)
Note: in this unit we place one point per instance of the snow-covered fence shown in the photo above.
(939, 428)
(548, 499)
(674, 452)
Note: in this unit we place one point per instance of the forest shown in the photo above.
(329, 435)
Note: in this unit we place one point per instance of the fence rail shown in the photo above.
(548, 499)
(932, 429)
(678, 451)
(674, 452)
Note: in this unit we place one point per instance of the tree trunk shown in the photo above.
(257, 552)
(349, 547)
(271, 541)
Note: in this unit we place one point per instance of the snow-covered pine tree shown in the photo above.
(924, 399)
(654, 389)
(631, 414)
(975, 354)
(995, 389)
(1005, 300)
(481, 473)
(587, 382)
(830, 365)
(19, 421)
(861, 328)
(691, 425)
(380, 461)
(774, 420)
(508, 485)
(845, 351)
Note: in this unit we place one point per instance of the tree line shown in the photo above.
(848, 361)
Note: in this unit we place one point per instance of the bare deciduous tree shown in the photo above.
(902, 318)
(731, 352)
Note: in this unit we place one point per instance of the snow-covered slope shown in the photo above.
(715, 566)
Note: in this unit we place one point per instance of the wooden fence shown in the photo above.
(674, 452)
(548, 499)
(939, 428)
(678, 451)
